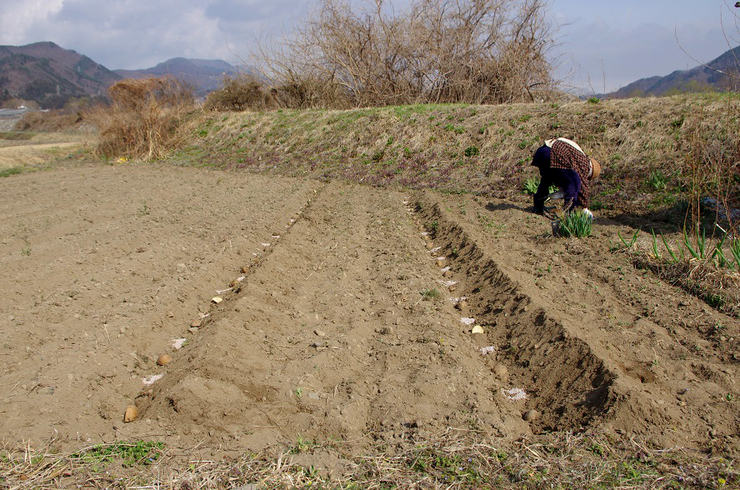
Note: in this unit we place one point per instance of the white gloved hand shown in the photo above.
(588, 213)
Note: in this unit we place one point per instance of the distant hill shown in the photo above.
(721, 74)
(204, 75)
(49, 74)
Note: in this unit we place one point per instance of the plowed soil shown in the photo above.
(346, 315)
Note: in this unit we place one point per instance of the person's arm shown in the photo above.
(583, 198)
(542, 191)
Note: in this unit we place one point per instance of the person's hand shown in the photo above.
(588, 213)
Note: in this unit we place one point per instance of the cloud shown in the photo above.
(142, 33)
(16, 16)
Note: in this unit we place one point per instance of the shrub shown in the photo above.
(142, 118)
(240, 93)
(488, 51)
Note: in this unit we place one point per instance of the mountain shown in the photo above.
(721, 74)
(204, 75)
(49, 74)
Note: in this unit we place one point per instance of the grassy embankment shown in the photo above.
(643, 145)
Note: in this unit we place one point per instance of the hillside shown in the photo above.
(48, 74)
(721, 74)
(204, 75)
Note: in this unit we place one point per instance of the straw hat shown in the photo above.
(595, 169)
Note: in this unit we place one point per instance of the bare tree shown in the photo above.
(475, 51)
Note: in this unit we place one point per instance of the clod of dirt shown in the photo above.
(164, 359)
(531, 415)
(478, 329)
(440, 261)
(217, 299)
(131, 413)
(245, 269)
(196, 324)
(500, 370)
(320, 333)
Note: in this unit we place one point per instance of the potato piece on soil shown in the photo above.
(164, 359)
(531, 415)
(131, 413)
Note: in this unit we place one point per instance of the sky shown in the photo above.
(601, 45)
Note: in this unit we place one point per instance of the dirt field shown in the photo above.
(347, 315)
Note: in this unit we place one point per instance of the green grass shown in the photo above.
(130, 454)
(431, 294)
(7, 172)
(16, 136)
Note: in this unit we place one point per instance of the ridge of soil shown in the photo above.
(339, 319)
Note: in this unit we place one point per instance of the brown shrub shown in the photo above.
(711, 165)
(142, 119)
(471, 51)
(247, 92)
(53, 121)
(240, 93)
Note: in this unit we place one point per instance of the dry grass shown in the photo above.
(471, 148)
(454, 459)
(719, 288)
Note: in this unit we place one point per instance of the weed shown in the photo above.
(490, 225)
(432, 294)
(593, 100)
(302, 445)
(657, 181)
(471, 151)
(26, 251)
(131, 454)
(144, 209)
(596, 448)
(299, 393)
(453, 128)
(7, 172)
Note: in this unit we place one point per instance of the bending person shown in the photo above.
(564, 164)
